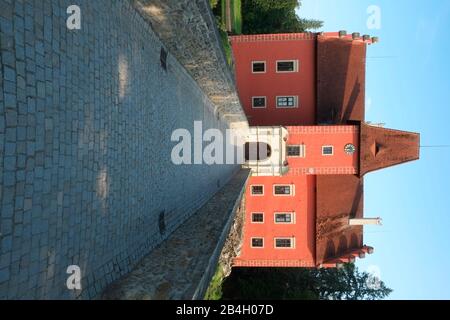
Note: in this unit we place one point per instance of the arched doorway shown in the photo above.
(257, 151)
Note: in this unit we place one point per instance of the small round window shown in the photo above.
(350, 149)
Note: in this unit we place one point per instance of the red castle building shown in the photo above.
(304, 96)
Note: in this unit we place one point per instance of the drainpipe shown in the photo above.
(365, 221)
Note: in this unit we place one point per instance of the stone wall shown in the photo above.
(85, 123)
(188, 28)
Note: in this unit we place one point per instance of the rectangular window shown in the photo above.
(287, 102)
(257, 242)
(284, 243)
(258, 102)
(287, 66)
(257, 190)
(327, 150)
(257, 217)
(283, 190)
(296, 151)
(258, 66)
(284, 218)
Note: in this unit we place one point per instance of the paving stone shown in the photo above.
(9, 74)
(86, 118)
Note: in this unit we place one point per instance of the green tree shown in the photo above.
(347, 283)
(311, 24)
(274, 16)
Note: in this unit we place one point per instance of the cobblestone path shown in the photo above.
(85, 123)
(182, 266)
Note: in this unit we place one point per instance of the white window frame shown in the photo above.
(258, 72)
(327, 154)
(258, 97)
(256, 195)
(296, 66)
(284, 238)
(251, 242)
(290, 213)
(287, 107)
(301, 146)
(292, 186)
(257, 222)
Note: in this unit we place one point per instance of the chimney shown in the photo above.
(365, 221)
(368, 250)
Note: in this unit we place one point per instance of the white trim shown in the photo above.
(301, 146)
(296, 66)
(293, 218)
(251, 242)
(258, 97)
(256, 195)
(292, 188)
(287, 107)
(257, 72)
(327, 154)
(284, 238)
(251, 217)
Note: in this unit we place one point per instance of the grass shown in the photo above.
(223, 11)
(236, 16)
(219, 10)
(226, 46)
(214, 291)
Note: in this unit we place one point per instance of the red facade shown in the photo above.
(314, 86)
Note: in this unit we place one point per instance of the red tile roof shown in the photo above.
(381, 148)
(341, 65)
(341, 76)
(339, 198)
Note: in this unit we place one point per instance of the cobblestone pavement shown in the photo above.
(182, 266)
(85, 123)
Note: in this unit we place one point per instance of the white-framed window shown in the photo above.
(287, 66)
(287, 102)
(257, 242)
(257, 217)
(296, 151)
(283, 190)
(284, 243)
(284, 218)
(259, 102)
(258, 67)
(327, 150)
(257, 190)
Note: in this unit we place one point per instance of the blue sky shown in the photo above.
(408, 88)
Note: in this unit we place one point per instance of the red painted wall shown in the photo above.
(302, 203)
(314, 137)
(271, 84)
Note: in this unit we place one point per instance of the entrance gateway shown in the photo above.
(265, 151)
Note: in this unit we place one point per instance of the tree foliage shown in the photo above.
(213, 3)
(274, 16)
(347, 283)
